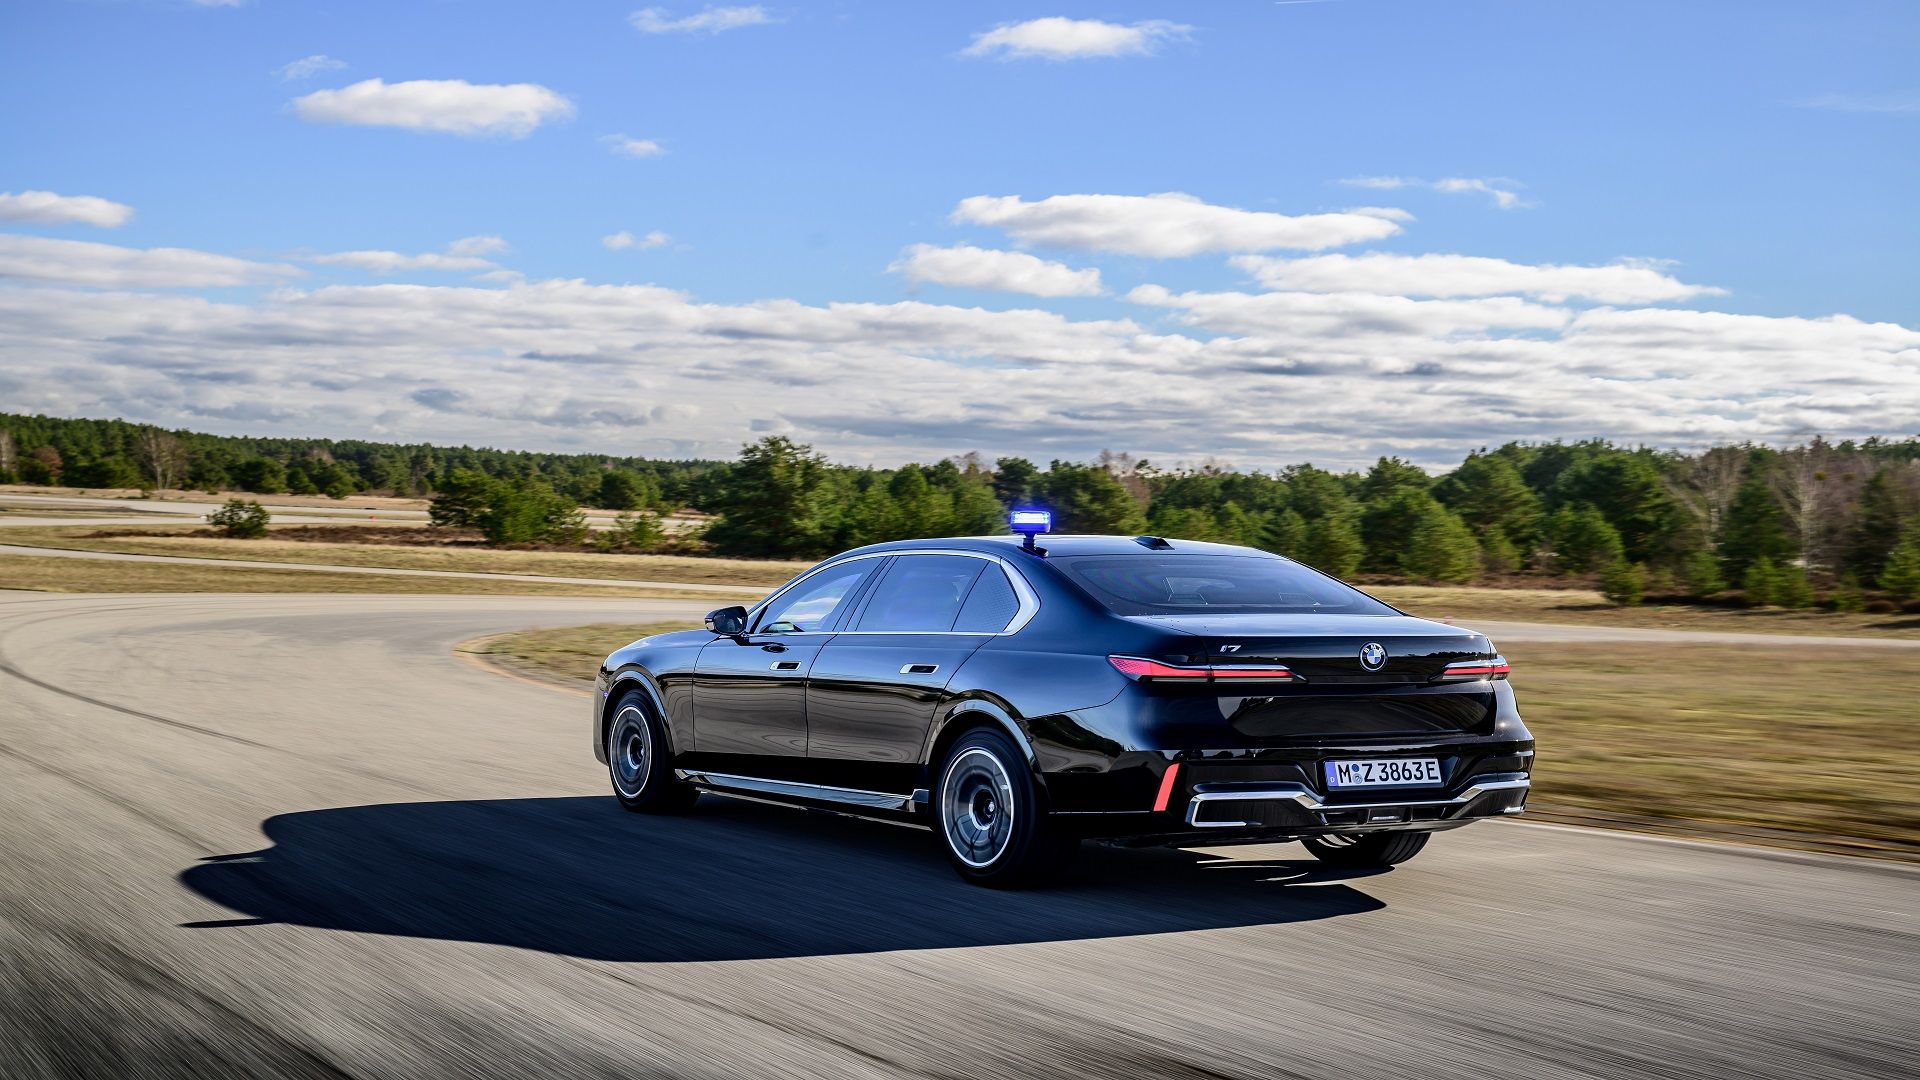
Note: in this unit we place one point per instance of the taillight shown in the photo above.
(1134, 667)
(1137, 667)
(1496, 668)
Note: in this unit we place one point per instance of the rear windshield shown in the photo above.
(1182, 584)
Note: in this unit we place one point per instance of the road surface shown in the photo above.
(292, 836)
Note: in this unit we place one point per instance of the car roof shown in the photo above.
(1065, 544)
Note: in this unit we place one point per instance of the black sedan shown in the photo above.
(1019, 699)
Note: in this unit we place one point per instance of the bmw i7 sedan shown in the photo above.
(1018, 699)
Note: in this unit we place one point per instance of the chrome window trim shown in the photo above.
(1029, 600)
(1309, 801)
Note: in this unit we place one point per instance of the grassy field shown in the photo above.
(1699, 740)
(1453, 603)
(63, 575)
(177, 541)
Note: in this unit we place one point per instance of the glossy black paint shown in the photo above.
(858, 709)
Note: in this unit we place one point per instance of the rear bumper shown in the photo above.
(1294, 806)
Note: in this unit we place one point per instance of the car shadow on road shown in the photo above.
(729, 881)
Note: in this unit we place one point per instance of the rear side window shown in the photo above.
(990, 606)
(1223, 584)
(920, 593)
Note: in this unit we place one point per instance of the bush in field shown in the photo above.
(1760, 582)
(1901, 575)
(461, 497)
(1847, 596)
(633, 532)
(531, 512)
(1624, 583)
(241, 519)
(1701, 573)
(1497, 552)
(1791, 589)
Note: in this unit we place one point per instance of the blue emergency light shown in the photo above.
(1030, 523)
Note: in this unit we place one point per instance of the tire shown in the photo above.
(638, 763)
(990, 817)
(1366, 849)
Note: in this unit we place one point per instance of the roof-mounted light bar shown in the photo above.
(1029, 524)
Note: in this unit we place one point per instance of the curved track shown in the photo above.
(290, 835)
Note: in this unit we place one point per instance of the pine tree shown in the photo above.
(1901, 575)
(1760, 582)
(1441, 548)
(1333, 545)
(1791, 589)
(1755, 529)
(1583, 540)
(1701, 573)
(1497, 553)
(1285, 534)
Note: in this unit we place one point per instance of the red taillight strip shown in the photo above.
(1166, 787)
(1496, 668)
(1135, 667)
(1138, 667)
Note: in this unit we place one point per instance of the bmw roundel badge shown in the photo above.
(1373, 655)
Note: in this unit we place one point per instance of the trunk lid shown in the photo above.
(1326, 650)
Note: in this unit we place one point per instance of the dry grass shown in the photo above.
(1464, 604)
(66, 575)
(1779, 747)
(680, 569)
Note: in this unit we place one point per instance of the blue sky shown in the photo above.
(1767, 152)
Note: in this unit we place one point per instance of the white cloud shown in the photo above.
(447, 105)
(1499, 189)
(711, 20)
(1908, 102)
(1170, 225)
(1624, 282)
(467, 253)
(110, 266)
(1056, 38)
(308, 66)
(48, 208)
(628, 146)
(621, 241)
(967, 267)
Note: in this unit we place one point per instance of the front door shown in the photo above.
(749, 692)
(876, 684)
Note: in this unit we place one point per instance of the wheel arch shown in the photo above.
(633, 679)
(972, 713)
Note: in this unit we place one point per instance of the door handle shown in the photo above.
(919, 669)
(786, 665)
(773, 646)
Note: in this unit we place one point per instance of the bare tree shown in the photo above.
(1126, 469)
(9, 451)
(1706, 484)
(163, 458)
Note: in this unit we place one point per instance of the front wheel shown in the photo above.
(1366, 849)
(991, 822)
(638, 762)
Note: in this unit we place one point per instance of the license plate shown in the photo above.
(1383, 772)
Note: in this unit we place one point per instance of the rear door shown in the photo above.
(749, 692)
(875, 686)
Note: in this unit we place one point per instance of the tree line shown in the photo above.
(1834, 523)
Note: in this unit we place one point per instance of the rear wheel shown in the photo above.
(1366, 849)
(991, 822)
(638, 762)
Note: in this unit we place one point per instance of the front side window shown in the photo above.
(920, 593)
(809, 605)
(1208, 584)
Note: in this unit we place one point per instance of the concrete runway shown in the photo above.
(292, 836)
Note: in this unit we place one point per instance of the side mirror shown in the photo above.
(730, 621)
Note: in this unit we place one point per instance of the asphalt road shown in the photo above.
(292, 836)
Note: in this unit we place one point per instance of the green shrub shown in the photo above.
(1760, 582)
(241, 519)
(1441, 548)
(1624, 583)
(1901, 575)
(1847, 595)
(1701, 572)
(633, 532)
(1791, 589)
